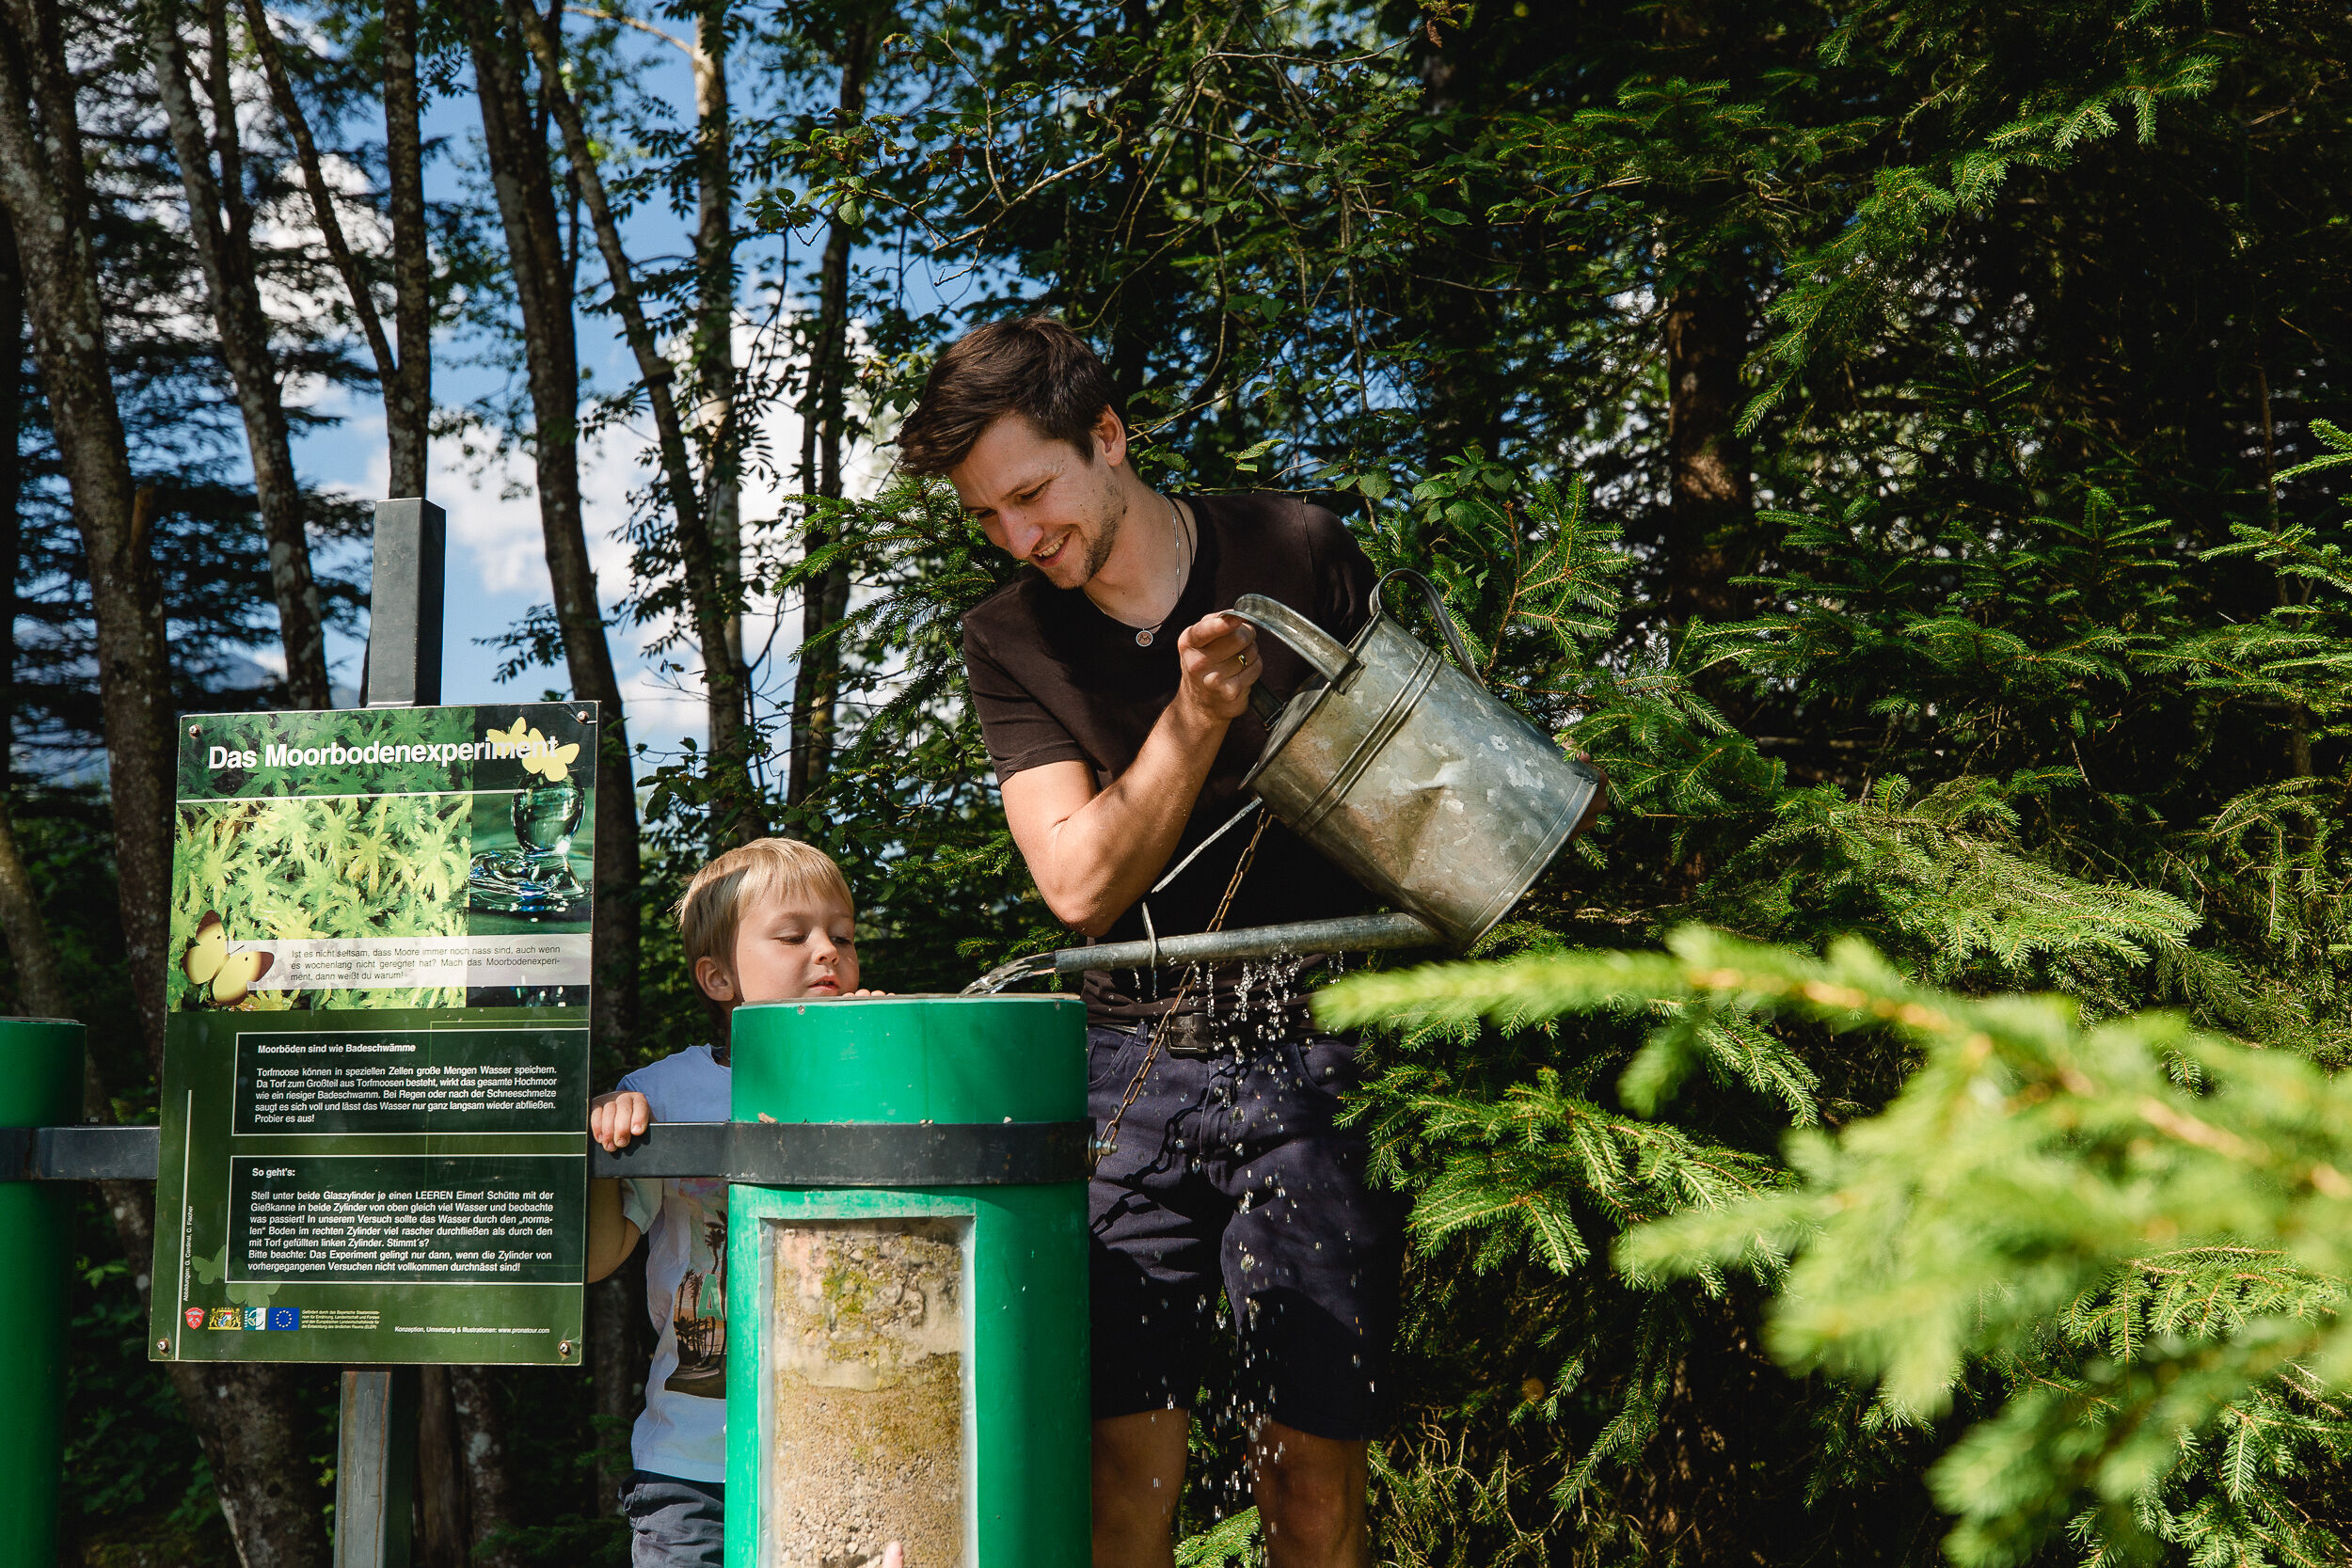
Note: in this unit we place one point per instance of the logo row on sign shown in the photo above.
(245, 1317)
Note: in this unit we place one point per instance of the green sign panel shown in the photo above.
(376, 1073)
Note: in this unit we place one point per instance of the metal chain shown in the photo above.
(1107, 1140)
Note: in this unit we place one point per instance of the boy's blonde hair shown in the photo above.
(712, 910)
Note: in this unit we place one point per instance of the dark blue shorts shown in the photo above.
(674, 1523)
(1229, 1177)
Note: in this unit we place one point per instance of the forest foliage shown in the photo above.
(1902, 443)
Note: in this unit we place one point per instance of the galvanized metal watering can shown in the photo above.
(1407, 773)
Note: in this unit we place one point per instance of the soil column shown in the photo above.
(40, 1085)
(909, 1363)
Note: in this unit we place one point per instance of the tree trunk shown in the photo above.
(406, 384)
(39, 984)
(618, 1362)
(220, 222)
(734, 805)
(825, 598)
(1711, 511)
(525, 188)
(245, 1418)
(12, 485)
(714, 330)
(516, 139)
(1126, 318)
(48, 207)
(490, 1471)
(1463, 404)
(442, 1534)
(409, 398)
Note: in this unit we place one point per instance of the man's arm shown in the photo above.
(1094, 854)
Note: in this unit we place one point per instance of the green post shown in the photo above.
(909, 1364)
(40, 1085)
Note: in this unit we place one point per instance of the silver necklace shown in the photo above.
(1183, 575)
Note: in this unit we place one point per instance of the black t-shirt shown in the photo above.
(1054, 679)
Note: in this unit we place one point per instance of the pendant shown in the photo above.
(1143, 638)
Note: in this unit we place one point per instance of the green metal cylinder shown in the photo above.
(909, 1364)
(40, 1085)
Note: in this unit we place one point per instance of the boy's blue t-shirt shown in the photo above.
(683, 1431)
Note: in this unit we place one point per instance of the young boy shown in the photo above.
(769, 922)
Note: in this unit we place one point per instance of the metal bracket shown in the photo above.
(856, 1153)
(762, 1154)
(86, 1153)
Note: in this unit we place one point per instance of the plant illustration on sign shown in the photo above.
(280, 869)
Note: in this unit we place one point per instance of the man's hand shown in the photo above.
(1219, 656)
(616, 1117)
(1095, 849)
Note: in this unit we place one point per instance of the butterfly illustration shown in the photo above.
(536, 753)
(221, 977)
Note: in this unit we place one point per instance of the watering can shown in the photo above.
(1408, 773)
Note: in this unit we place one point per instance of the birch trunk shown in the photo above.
(714, 331)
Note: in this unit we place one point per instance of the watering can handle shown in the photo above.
(1319, 648)
(1438, 612)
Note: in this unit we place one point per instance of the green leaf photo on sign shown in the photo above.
(250, 871)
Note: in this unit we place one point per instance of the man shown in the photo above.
(1115, 700)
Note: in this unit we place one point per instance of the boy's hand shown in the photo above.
(616, 1117)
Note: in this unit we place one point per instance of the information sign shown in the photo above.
(376, 1070)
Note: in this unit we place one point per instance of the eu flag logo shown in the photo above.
(285, 1316)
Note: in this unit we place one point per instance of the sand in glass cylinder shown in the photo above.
(867, 1400)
